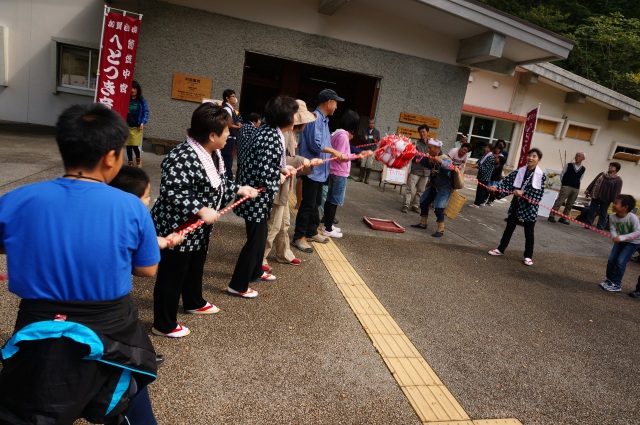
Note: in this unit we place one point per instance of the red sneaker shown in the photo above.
(295, 262)
(178, 332)
(266, 268)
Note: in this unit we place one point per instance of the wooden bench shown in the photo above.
(160, 145)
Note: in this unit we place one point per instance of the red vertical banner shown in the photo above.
(117, 60)
(527, 137)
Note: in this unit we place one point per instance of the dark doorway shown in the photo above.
(266, 76)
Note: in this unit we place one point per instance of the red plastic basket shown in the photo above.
(383, 224)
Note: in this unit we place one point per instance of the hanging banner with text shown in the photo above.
(117, 60)
(527, 137)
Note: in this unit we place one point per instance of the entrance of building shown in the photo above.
(267, 76)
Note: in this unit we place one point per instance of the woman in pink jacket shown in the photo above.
(339, 171)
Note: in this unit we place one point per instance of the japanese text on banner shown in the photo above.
(527, 138)
(117, 61)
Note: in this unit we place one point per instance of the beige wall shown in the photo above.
(552, 106)
(29, 95)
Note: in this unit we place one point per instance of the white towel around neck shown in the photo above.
(536, 181)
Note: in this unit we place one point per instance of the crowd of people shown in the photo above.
(84, 304)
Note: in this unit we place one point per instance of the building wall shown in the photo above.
(365, 23)
(552, 106)
(212, 45)
(480, 91)
(29, 95)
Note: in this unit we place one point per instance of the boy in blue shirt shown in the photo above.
(72, 244)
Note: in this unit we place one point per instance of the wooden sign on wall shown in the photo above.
(416, 119)
(413, 132)
(190, 87)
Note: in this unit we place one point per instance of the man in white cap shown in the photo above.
(315, 142)
(438, 190)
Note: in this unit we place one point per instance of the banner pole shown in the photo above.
(104, 18)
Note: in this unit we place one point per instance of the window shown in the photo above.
(546, 126)
(76, 65)
(482, 130)
(580, 133)
(625, 152)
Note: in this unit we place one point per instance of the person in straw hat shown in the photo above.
(279, 220)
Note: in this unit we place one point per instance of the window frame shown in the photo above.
(594, 136)
(491, 138)
(559, 127)
(56, 48)
(615, 145)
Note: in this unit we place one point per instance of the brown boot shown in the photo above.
(423, 222)
(440, 231)
(366, 175)
(130, 163)
(139, 162)
(361, 176)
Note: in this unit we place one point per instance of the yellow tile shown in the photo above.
(412, 371)
(449, 423)
(510, 421)
(381, 324)
(368, 306)
(431, 406)
(394, 346)
(449, 402)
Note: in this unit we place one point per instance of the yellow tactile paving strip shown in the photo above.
(428, 396)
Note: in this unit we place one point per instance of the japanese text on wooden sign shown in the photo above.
(190, 87)
(416, 119)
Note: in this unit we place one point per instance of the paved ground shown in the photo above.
(543, 344)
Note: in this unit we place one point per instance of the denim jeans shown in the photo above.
(599, 207)
(620, 255)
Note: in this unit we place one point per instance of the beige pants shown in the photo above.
(279, 234)
(569, 194)
(414, 189)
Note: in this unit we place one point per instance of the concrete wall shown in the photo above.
(29, 95)
(553, 106)
(375, 24)
(179, 39)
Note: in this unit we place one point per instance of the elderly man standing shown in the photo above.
(417, 175)
(315, 142)
(439, 188)
(571, 177)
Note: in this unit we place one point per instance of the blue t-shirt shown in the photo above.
(74, 240)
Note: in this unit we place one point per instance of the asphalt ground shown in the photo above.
(543, 344)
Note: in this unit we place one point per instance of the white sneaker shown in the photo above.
(335, 233)
(528, 262)
(494, 252)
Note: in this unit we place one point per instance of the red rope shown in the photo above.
(468, 177)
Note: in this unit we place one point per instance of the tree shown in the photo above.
(607, 51)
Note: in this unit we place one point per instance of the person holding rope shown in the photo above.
(193, 184)
(78, 349)
(265, 162)
(439, 186)
(485, 167)
(625, 230)
(278, 235)
(525, 182)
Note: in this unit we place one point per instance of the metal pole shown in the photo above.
(104, 16)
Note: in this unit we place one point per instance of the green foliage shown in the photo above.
(606, 32)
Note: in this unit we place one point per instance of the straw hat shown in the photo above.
(303, 115)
